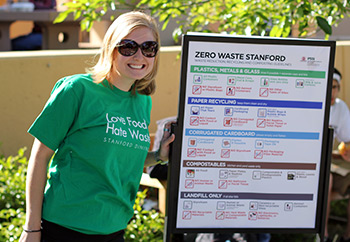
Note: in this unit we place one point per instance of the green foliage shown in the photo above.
(145, 225)
(88, 11)
(13, 172)
(339, 208)
(240, 17)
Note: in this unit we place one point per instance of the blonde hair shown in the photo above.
(118, 30)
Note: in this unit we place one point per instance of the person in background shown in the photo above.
(96, 126)
(33, 40)
(340, 122)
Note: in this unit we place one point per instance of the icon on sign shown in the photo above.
(222, 184)
(195, 110)
(256, 175)
(190, 173)
(228, 112)
(288, 206)
(259, 144)
(264, 92)
(230, 91)
(223, 174)
(228, 122)
(258, 154)
(225, 153)
(299, 83)
(220, 215)
(291, 176)
(231, 80)
(261, 123)
(221, 205)
(264, 82)
(196, 90)
(252, 215)
(186, 215)
(197, 79)
(189, 183)
(262, 112)
(194, 121)
(192, 142)
(253, 205)
(191, 152)
(187, 205)
(226, 143)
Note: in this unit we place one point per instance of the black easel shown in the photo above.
(320, 235)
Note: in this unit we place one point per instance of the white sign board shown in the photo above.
(253, 116)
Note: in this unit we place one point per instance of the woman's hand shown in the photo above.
(344, 150)
(167, 139)
(346, 155)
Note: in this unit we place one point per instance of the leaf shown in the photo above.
(77, 15)
(324, 25)
(62, 16)
(166, 21)
(274, 30)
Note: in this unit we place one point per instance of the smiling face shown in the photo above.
(127, 69)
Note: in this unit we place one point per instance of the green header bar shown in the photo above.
(257, 71)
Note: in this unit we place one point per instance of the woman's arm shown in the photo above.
(36, 180)
(163, 153)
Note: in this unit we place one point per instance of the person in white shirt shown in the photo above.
(340, 121)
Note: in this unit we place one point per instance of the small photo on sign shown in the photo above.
(264, 82)
(259, 144)
(197, 79)
(192, 142)
(223, 174)
(187, 205)
(288, 206)
(253, 205)
(291, 176)
(299, 83)
(195, 110)
(226, 143)
(262, 112)
(190, 173)
(228, 112)
(221, 206)
(256, 175)
(231, 80)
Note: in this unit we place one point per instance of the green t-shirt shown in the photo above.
(101, 138)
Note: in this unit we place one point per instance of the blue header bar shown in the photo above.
(254, 103)
(252, 134)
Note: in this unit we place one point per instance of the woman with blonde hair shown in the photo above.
(96, 126)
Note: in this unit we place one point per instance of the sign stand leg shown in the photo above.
(169, 224)
(321, 235)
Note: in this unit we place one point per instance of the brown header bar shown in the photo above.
(250, 165)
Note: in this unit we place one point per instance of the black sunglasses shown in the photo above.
(128, 47)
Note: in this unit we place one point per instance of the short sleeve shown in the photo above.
(344, 126)
(58, 115)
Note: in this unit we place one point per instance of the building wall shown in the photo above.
(27, 78)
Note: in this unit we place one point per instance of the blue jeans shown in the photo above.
(32, 41)
(265, 237)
